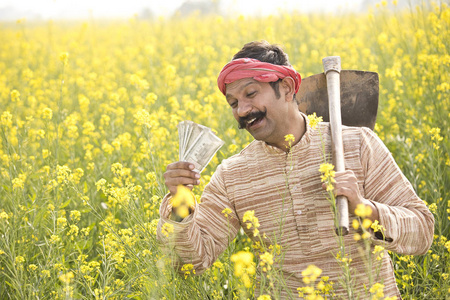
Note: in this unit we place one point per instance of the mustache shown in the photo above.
(253, 115)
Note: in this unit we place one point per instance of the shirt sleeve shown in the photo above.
(408, 223)
(202, 236)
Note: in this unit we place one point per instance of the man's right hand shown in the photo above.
(180, 172)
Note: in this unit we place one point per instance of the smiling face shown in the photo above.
(258, 110)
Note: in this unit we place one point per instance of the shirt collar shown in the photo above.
(305, 139)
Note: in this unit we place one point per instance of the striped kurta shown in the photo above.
(285, 192)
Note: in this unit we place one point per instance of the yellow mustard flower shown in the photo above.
(378, 251)
(366, 223)
(290, 138)
(363, 211)
(252, 221)
(67, 277)
(167, 229)
(6, 119)
(32, 267)
(183, 201)
(328, 175)
(266, 261)
(226, 212)
(188, 269)
(64, 57)
(244, 267)
(311, 273)
(355, 224)
(377, 291)
(314, 120)
(47, 113)
(15, 96)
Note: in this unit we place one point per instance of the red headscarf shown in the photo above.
(258, 70)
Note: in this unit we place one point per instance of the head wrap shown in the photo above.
(258, 70)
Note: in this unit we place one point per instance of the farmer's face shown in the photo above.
(258, 110)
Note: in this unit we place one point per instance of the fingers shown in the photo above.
(339, 190)
(180, 173)
(346, 184)
(344, 191)
(181, 165)
(345, 176)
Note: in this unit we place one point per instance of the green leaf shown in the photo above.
(66, 203)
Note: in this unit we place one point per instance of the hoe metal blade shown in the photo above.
(359, 97)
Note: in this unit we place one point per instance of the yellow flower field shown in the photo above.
(88, 125)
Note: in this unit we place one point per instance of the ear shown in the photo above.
(288, 88)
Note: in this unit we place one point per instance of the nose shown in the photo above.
(244, 108)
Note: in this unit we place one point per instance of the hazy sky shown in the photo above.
(54, 9)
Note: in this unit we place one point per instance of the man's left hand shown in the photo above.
(347, 185)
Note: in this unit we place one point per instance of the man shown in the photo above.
(281, 183)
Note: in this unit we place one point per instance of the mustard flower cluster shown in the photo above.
(327, 176)
(244, 267)
(252, 221)
(322, 290)
(183, 202)
(314, 120)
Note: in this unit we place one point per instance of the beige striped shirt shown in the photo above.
(285, 191)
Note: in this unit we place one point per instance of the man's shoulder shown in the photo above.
(354, 130)
(324, 127)
(353, 137)
(363, 134)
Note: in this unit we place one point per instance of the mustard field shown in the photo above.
(88, 124)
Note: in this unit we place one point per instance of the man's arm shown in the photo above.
(408, 223)
(203, 235)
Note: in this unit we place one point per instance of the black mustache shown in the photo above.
(253, 115)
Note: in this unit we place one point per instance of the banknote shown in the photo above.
(197, 144)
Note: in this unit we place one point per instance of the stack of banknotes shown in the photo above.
(198, 144)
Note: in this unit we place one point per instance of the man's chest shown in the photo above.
(286, 196)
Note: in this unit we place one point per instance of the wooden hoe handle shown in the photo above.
(332, 68)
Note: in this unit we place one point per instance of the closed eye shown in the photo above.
(251, 94)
